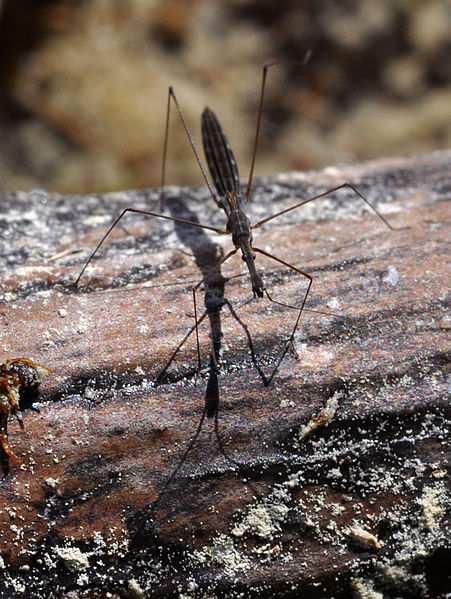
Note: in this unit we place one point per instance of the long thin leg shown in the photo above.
(271, 299)
(301, 308)
(265, 69)
(145, 213)
(215, 400)
(181, 461)
(249, 341)
(196, 326)
(179, 347)
(323, 312)
(197, 322)
(187, 451)
(165, 151)
(172, 96)
(130, 288)
(322, 195)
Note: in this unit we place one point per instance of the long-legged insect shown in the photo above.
(230, 198)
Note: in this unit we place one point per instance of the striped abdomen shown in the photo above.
(220, 159)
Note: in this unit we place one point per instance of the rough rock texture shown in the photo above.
(342, 482)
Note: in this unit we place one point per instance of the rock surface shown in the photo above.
(339, 483)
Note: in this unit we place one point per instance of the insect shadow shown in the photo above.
(229, 196)
(208, 257)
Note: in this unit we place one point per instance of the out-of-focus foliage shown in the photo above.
(84, 84)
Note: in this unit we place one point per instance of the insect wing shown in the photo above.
(220, 158)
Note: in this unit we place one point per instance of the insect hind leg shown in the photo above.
(300, 309)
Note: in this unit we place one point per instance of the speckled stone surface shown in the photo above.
(360, 504)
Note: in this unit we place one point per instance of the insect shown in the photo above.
(230, 197)
(209, 259)
(19, 381)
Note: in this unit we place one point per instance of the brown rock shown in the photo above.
(77, 516)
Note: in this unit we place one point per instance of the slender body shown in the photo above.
(224, 173)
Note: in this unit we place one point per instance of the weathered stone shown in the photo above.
(99, 451)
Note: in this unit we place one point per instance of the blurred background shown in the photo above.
(84, 85)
